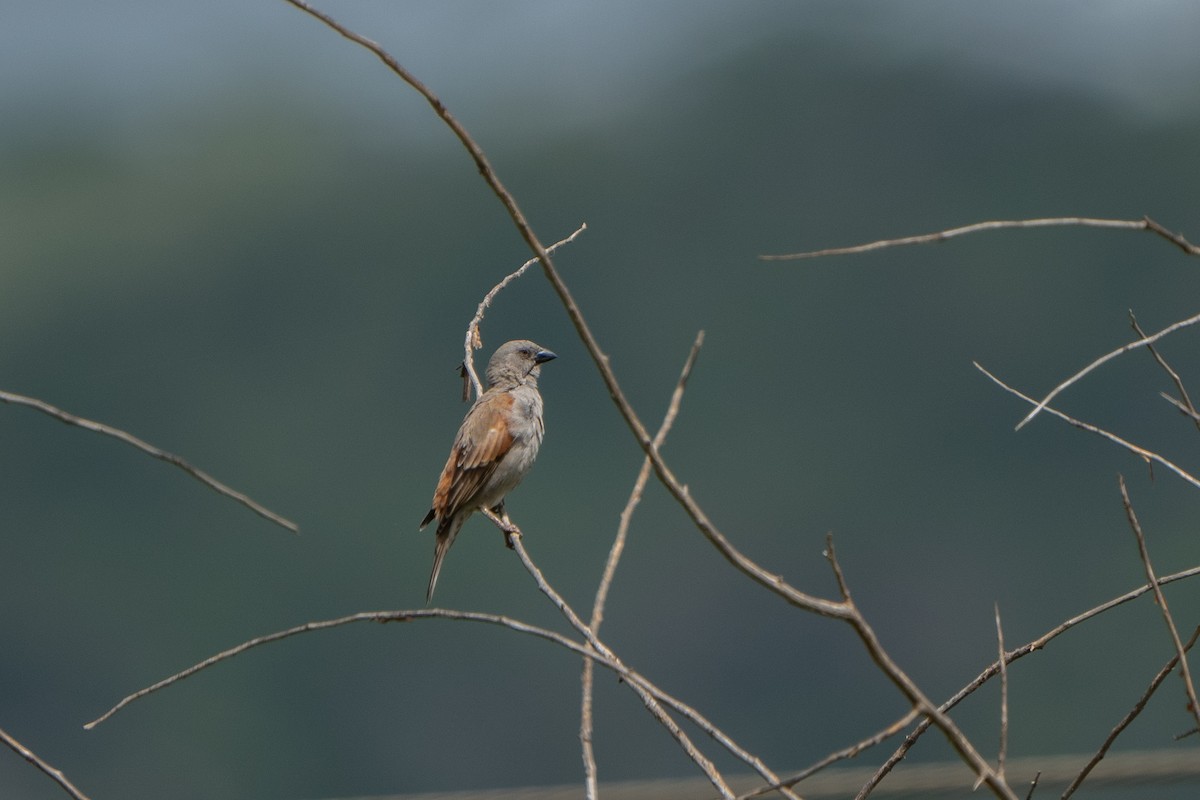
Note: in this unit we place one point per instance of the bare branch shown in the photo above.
(1130, 446)
(1167, 669)
(1183, 409)
(53, 773)
(958, 740)
(1143, 342)
(474, 340)
(1003, 662)
(1180, 651)
(610, 569)
(1033, 786)
(365, 616)
(150, 450)
(635, 497)
(1186, 405)
(1144, 224)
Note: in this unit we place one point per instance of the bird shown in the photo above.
(495, 446)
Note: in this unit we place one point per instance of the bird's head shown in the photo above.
(517, 362)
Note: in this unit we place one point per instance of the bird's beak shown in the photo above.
(542, 356)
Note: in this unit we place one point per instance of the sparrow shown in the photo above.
(495, 446)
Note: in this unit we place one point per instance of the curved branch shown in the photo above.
(474, 340)
(364, 616)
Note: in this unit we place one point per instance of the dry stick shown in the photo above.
(513, 533)
(474, 341)
(1143, 224)
(54, 774)
(1183, 409)
(905, 684)
(1033, 785)
(1003, 662)
(150, 450)
(614, 555)
(1186, 403)
(610, 568)
(364, 616)
(1184, 672)
(1145, 341)
(774, 582)
(1148, 455)
(1120, 727)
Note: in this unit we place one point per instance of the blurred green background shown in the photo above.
(234, 234)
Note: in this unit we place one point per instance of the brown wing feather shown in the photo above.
(482, 441)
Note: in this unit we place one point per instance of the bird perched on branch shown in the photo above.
(494, 448)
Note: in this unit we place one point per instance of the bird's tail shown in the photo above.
(446, 532)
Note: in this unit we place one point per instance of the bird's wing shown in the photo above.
(482, 441)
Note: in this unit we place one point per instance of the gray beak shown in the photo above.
(542, 356)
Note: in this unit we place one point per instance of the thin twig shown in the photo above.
(1120, 727)
(610, 568)
(1162, 362)
(516, 542)
(1145, 341)
(53, 773)
(1033, 785)
(635, 496)
(1145, 224)
(150, 450)
(1184, 672)
(365, 616)
(1003, 662)
(678, 490)
(1183, 409)
(474, 340)
(1148, 455)
(958, 740)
